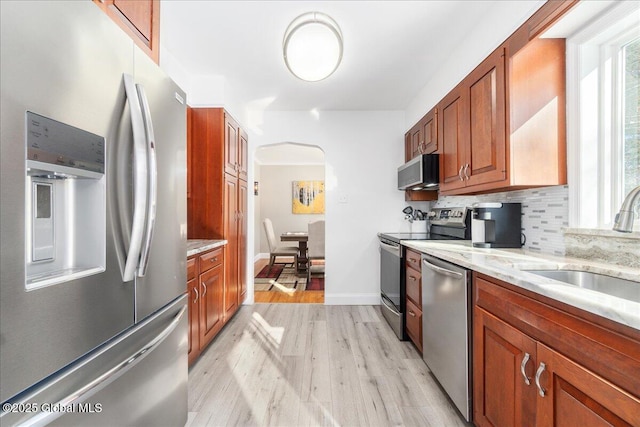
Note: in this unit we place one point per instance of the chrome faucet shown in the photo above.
(624, 218)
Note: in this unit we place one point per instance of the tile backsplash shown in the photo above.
(545, 212)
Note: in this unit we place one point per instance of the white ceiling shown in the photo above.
(391, 48)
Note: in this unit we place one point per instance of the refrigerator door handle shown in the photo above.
(140, 177)
(88, 390)
(152, 171)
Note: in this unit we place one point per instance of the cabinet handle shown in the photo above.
(525, 360)
(460, 173)
(466, 168)
(539, 372)
(411, 313)
(197, 295)
(204, 285)
(214, 259)
(412, 278)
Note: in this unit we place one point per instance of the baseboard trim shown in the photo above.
(351, 299)
(260, 256)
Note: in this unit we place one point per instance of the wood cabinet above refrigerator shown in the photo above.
(140, 19)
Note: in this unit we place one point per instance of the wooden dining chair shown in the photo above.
(315, 247)
(274, 249)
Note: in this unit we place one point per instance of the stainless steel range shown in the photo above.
(444, 224)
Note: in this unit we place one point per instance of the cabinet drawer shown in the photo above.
(191, 268)
(413, 285)
(413, 259)
(210, 259)
(414, 324)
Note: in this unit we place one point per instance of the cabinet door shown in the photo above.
(486, 147)
(211, 304)
(417, 139)
(231, 234)
(430, 132)
(242, 240)
(408, 152)
(575, 396)
(243, 154)
(501, 395)
(230, 146)
(413, 285)
(452, 139)
(414, 324)
(194, 319)
(138, 18)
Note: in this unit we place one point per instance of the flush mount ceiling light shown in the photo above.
(312, 46)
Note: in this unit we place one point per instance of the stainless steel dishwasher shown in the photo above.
(446, 323)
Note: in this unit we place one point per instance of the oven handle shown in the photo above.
(384, 300)
(393, 249)
(441, 270)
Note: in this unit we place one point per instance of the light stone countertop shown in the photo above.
(508, 265)
(196, 246)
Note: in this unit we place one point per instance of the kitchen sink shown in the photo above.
(621, 288)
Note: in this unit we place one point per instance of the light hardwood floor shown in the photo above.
(308, 365)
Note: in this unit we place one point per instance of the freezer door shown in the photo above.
(139, 379)
(63, 60)
(164, 276)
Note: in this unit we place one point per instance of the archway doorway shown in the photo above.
(289, 196)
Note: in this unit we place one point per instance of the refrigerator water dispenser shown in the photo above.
(65, 223)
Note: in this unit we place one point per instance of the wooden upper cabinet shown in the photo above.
(417, 140)
(422, 138)
(243, 154)
(230, 145)
(453, 137)
(472, 129)
(486, 149)
(138, 18)
(537, 114)
(504, 126)
(408, 152)
(430, 132)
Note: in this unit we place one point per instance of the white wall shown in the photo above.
(275, 200)
(362, 152)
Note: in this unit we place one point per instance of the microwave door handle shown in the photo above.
(152, 196)
(441, 270)
(140, 176)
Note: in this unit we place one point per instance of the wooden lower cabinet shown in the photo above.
(211, 304)
(194, 309)
(413, 288)
(206, 287)
(501, 397)
(575, 396)
(520, 379)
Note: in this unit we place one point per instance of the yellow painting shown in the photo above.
(308, 197)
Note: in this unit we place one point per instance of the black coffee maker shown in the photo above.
(496, 225)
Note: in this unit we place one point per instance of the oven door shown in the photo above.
(390, 286)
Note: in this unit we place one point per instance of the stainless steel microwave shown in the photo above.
(420, 173)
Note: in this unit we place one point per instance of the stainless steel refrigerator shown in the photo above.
(93, 327)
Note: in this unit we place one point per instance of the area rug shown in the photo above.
(286, 280)
(272, 272)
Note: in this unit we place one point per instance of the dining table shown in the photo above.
(302, 237)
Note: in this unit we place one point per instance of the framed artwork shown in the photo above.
(307, 197)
